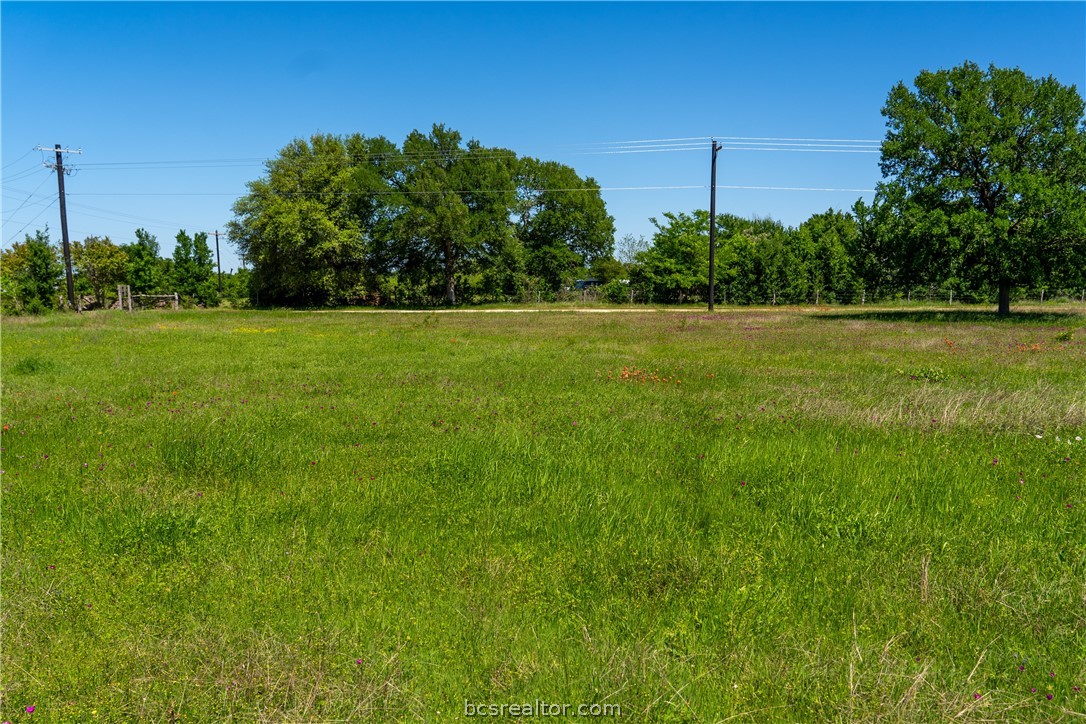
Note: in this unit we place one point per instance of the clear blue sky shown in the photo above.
(223, 85)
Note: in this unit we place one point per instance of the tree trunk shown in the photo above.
(450, 275)
(1004, 297)
(450, 288)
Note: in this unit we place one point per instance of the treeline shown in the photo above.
(32, 272)
(357, 220)
(984, 191)
(834, 257)
(757, 260)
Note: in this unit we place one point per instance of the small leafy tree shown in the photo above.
(194, 269)
(101, 264)
(676, 266)
(34, 272)
(871, 252)
(144, 266)
(628, 247)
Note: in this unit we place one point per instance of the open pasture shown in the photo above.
(760, 514)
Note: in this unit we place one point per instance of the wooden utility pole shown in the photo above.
(218, 257)
(712, 227)
(59, 168)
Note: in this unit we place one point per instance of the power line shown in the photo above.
(481, 191)
(393, 192)
(792, 188)
(16, 236)
(23, 174)
(9, 165)
(825, 140)
(645, 140)
(804, 150)
(459, 155)
(701, 139)
(29, 196)
(678, 149)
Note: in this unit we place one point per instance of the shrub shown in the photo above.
(615, 291)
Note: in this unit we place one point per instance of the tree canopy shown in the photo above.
(987, 178)
(345, 219)
(99, 264)
(31, 272)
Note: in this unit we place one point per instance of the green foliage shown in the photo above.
(562, 221)
(676, 266)
(305, 229)
(193, 271)
(343, 220)
(607, 269)
(101, 264)
(829, 242)
(145, 272)
(927, 374)
(758, 261)
(873, 255)
(236, 287)
(987, 177)
(615, 291)
(33, 364)
(32, 275)
(454, 205)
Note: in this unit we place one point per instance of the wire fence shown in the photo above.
(918, 295)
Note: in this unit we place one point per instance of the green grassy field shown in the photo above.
(758, 515)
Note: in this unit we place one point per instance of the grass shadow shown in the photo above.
(956, 316)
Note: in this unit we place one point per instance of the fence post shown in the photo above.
(1042, 296)
(175, 305)
(951, 296)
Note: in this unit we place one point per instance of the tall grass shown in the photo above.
(771, 515)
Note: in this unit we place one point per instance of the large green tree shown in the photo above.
(986, 171)
(561, 221)
(454, 203)
(339, 219)
(304, 227)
